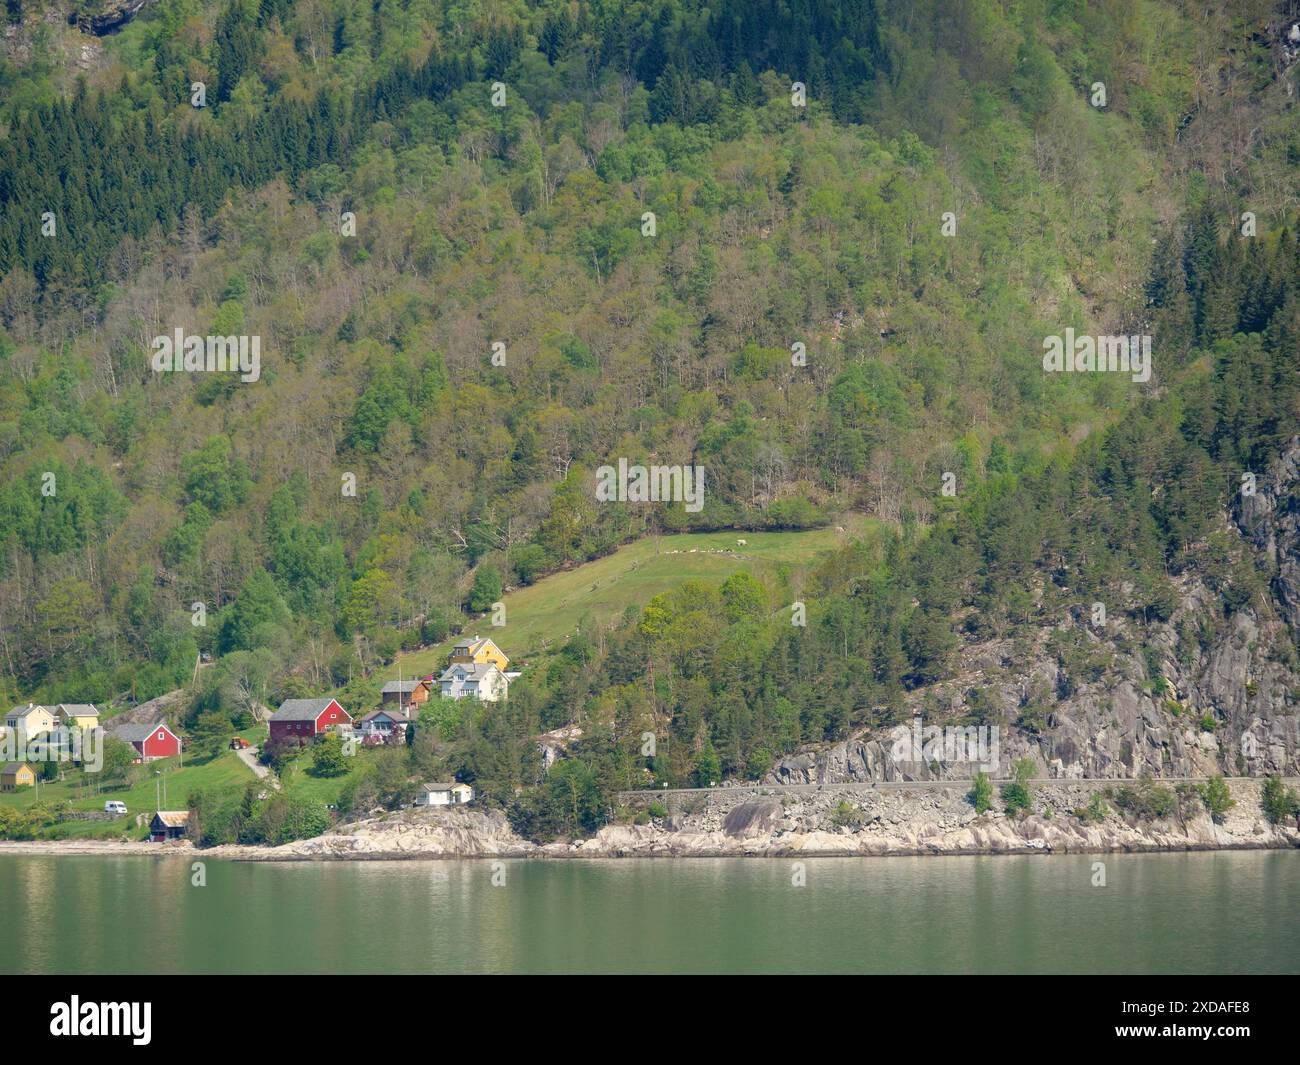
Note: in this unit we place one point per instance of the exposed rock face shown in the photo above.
(163, 708)
(849, 821)
(751, 819)
(111, 20)
(424, 833)
(929, 820)
(1129, 699)
(864, 821)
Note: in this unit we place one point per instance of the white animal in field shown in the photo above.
(741, 543)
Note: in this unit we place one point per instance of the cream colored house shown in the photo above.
(31, 720)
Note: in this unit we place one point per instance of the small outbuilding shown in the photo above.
(169, 824)
(15, 775)
(440, 794)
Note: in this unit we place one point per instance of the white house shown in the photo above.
(382, 723)
(444, 795)
(474, 680)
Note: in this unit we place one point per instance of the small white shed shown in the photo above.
(449, 794)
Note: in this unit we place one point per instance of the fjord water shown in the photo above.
(1230, 912)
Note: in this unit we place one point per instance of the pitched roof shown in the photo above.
(78, 709)
(12, 767)
(438, 786)
(23, 711)
(385, 713)
(475, 671)
(173, 818)
(132, 733)
(300, 709)
(403, 686)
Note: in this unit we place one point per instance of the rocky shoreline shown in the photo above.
(859, 823)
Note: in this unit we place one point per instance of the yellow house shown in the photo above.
(479, 650)
(82, 715)
(16, 775)
(31, 720)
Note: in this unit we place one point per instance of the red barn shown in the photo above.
(150, 741)
(302, 720)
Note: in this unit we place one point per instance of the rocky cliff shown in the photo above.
(865, 821)
(1209, 690)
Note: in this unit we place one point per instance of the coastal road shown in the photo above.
(888, 785)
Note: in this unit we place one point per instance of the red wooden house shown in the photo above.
(150, 741)
(302, 720)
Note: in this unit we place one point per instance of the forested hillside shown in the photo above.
(465, 309)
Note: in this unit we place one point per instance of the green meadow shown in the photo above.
(541, 616)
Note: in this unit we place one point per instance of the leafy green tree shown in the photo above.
(328, 759)
(708, 767)
(1278, 802)
(1218, 801)
(486, 590)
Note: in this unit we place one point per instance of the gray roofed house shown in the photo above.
(475, 680)
(155, 740)
(14, 775)
(32, 719)
(383, 723)
(413, 692)
(300, 709)
(302, 720)
(76, 712)
(24, 711)
(134, 733)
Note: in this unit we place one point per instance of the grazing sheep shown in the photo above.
(740, 543)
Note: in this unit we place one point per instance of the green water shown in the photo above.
(1164, 913)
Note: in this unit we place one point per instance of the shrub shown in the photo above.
(327, 756)
(1016, 798)
(1096, 810)
(1214, 793)
(1278, 802)
(981, 794)
(1146, 802)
